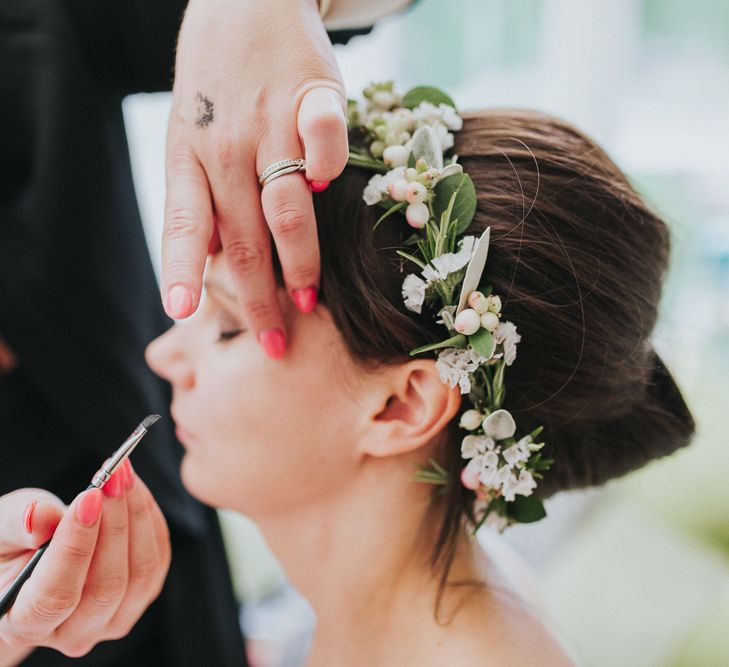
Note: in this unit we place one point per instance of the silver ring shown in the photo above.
(280, 168)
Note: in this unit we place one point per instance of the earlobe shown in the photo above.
(417, 406)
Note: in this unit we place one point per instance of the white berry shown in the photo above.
(395, 156)
(489, 321)
(471, 420)
(417, 215)
(398, 189)
(416, 193)
(467, 322)
(494, 304)
(478, 302)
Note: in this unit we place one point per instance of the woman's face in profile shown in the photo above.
(259, 434)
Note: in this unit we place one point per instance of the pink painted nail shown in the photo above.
(305, 299)
(88, 508)
(128, 474)
(318, 186)
(28, 517)
(114, 488)
(179, 302)
(274, 342)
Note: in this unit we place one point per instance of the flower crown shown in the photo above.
(403, 139)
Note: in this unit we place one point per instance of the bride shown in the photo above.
(366, 467)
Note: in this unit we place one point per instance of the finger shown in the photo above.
(322, 127)
(54, 589)
(289, 211)
(28, 518)
(247, 246)
(187, 232)
(149, 556)
(108, 574)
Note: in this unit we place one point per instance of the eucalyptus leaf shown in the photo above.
(426, 145)
(419, 94)
(526, 509)
(459, 340)
(465, 205)
(483, 342)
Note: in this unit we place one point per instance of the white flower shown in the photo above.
(444, 137)
(426, 112)
(506, 334)
(476, 445)
(450, 262)
(494, 477)
(413, 291)
(377, 188)
(523, 486)
(518, 452)
(454, 365)
(499, 425)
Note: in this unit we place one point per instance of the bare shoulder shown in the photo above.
(503, 624)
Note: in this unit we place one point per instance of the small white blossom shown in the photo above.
(455, 365)
(518, 452)
(426, 112)
(499, 425)
(476, 445)
(523, 485)
(413, 291)
(506, 335)
(377, 188)
(497, 521)
(450, 262)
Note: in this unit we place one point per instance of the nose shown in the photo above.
(166, 356)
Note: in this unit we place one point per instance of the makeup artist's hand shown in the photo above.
(255, 82)
(106, 563)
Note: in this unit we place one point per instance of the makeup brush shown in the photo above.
(100, 478)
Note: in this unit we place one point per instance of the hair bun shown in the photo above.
(655, 426)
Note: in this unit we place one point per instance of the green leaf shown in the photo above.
(465, 205)
(359, 159)
(459, 340)
(419, 94)
(411, 160)
(388, 213)
(413, 239)
(526, 509)
(483, 342)
(411, 258)
(426, 145)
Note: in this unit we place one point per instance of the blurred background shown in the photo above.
(637, 572)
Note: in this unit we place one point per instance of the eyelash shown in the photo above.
(229, 335)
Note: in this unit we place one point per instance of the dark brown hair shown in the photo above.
(578, 260)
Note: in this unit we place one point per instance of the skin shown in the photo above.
(94, 582)
(320, 453)
(249, 91)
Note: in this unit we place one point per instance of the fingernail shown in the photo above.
(274, 342)
(128, 474)
(114, 488)
(88, 508)
(28, 517)
(179, 302)
(318, 186)
(305, 299)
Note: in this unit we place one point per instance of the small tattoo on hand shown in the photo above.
(204, 111)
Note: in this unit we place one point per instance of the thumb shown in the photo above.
(28, 518)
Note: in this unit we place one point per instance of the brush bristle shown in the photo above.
(149, 420)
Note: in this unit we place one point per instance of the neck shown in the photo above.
(362, 559)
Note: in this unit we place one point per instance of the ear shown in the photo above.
(415, 405)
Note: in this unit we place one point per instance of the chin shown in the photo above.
(198, 486)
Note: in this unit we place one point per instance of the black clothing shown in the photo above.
(79, 300)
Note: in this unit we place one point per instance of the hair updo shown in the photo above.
(578, 260)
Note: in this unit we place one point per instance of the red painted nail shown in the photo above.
(274, 342)
(318, 186)
(114, 488)
(28, 517)
(89, 506)
(305, 299)
(179, 302)
(128, 474)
